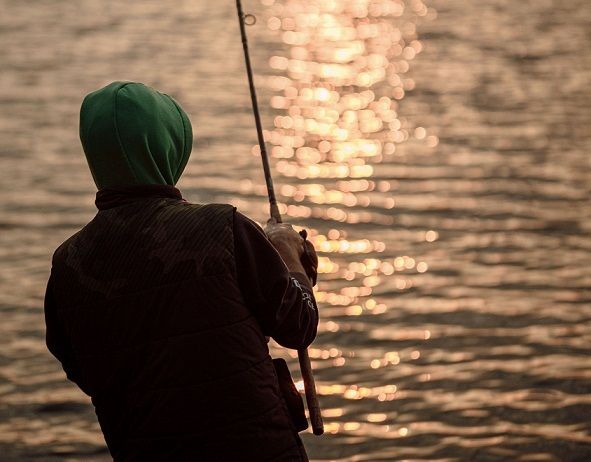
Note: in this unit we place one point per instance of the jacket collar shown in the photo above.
(109, 198)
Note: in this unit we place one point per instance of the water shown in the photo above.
(438, 153)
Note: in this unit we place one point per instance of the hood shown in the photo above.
(134, 135)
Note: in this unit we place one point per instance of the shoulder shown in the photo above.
(62, 251)
(242, 221)
(213, 213)
(212, 208)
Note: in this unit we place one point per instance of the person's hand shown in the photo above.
(284, 238)
(294, 246)
(288, 243)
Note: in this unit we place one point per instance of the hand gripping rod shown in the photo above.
(305, 366)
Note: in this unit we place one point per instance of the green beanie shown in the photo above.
(134, 135)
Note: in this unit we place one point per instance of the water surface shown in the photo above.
(437, 151)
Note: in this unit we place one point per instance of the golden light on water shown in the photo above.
(439, 162)
(336, 92)
(336, 89)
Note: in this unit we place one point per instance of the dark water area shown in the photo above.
(438, 152)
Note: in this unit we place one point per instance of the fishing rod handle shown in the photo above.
(311, 396)
(303, 356)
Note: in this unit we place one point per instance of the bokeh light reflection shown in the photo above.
(337, 86)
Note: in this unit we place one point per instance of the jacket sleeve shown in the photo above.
(56, 338)
(283, 302)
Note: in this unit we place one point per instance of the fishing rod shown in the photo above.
(304, 358)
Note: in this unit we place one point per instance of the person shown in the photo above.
(159, 309)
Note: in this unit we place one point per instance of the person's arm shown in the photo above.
(278, 292)
(55, 336)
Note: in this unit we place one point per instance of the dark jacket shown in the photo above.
(158, 309)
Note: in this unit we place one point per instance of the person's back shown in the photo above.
(158, 309)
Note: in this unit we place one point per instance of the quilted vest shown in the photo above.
(176, 365)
